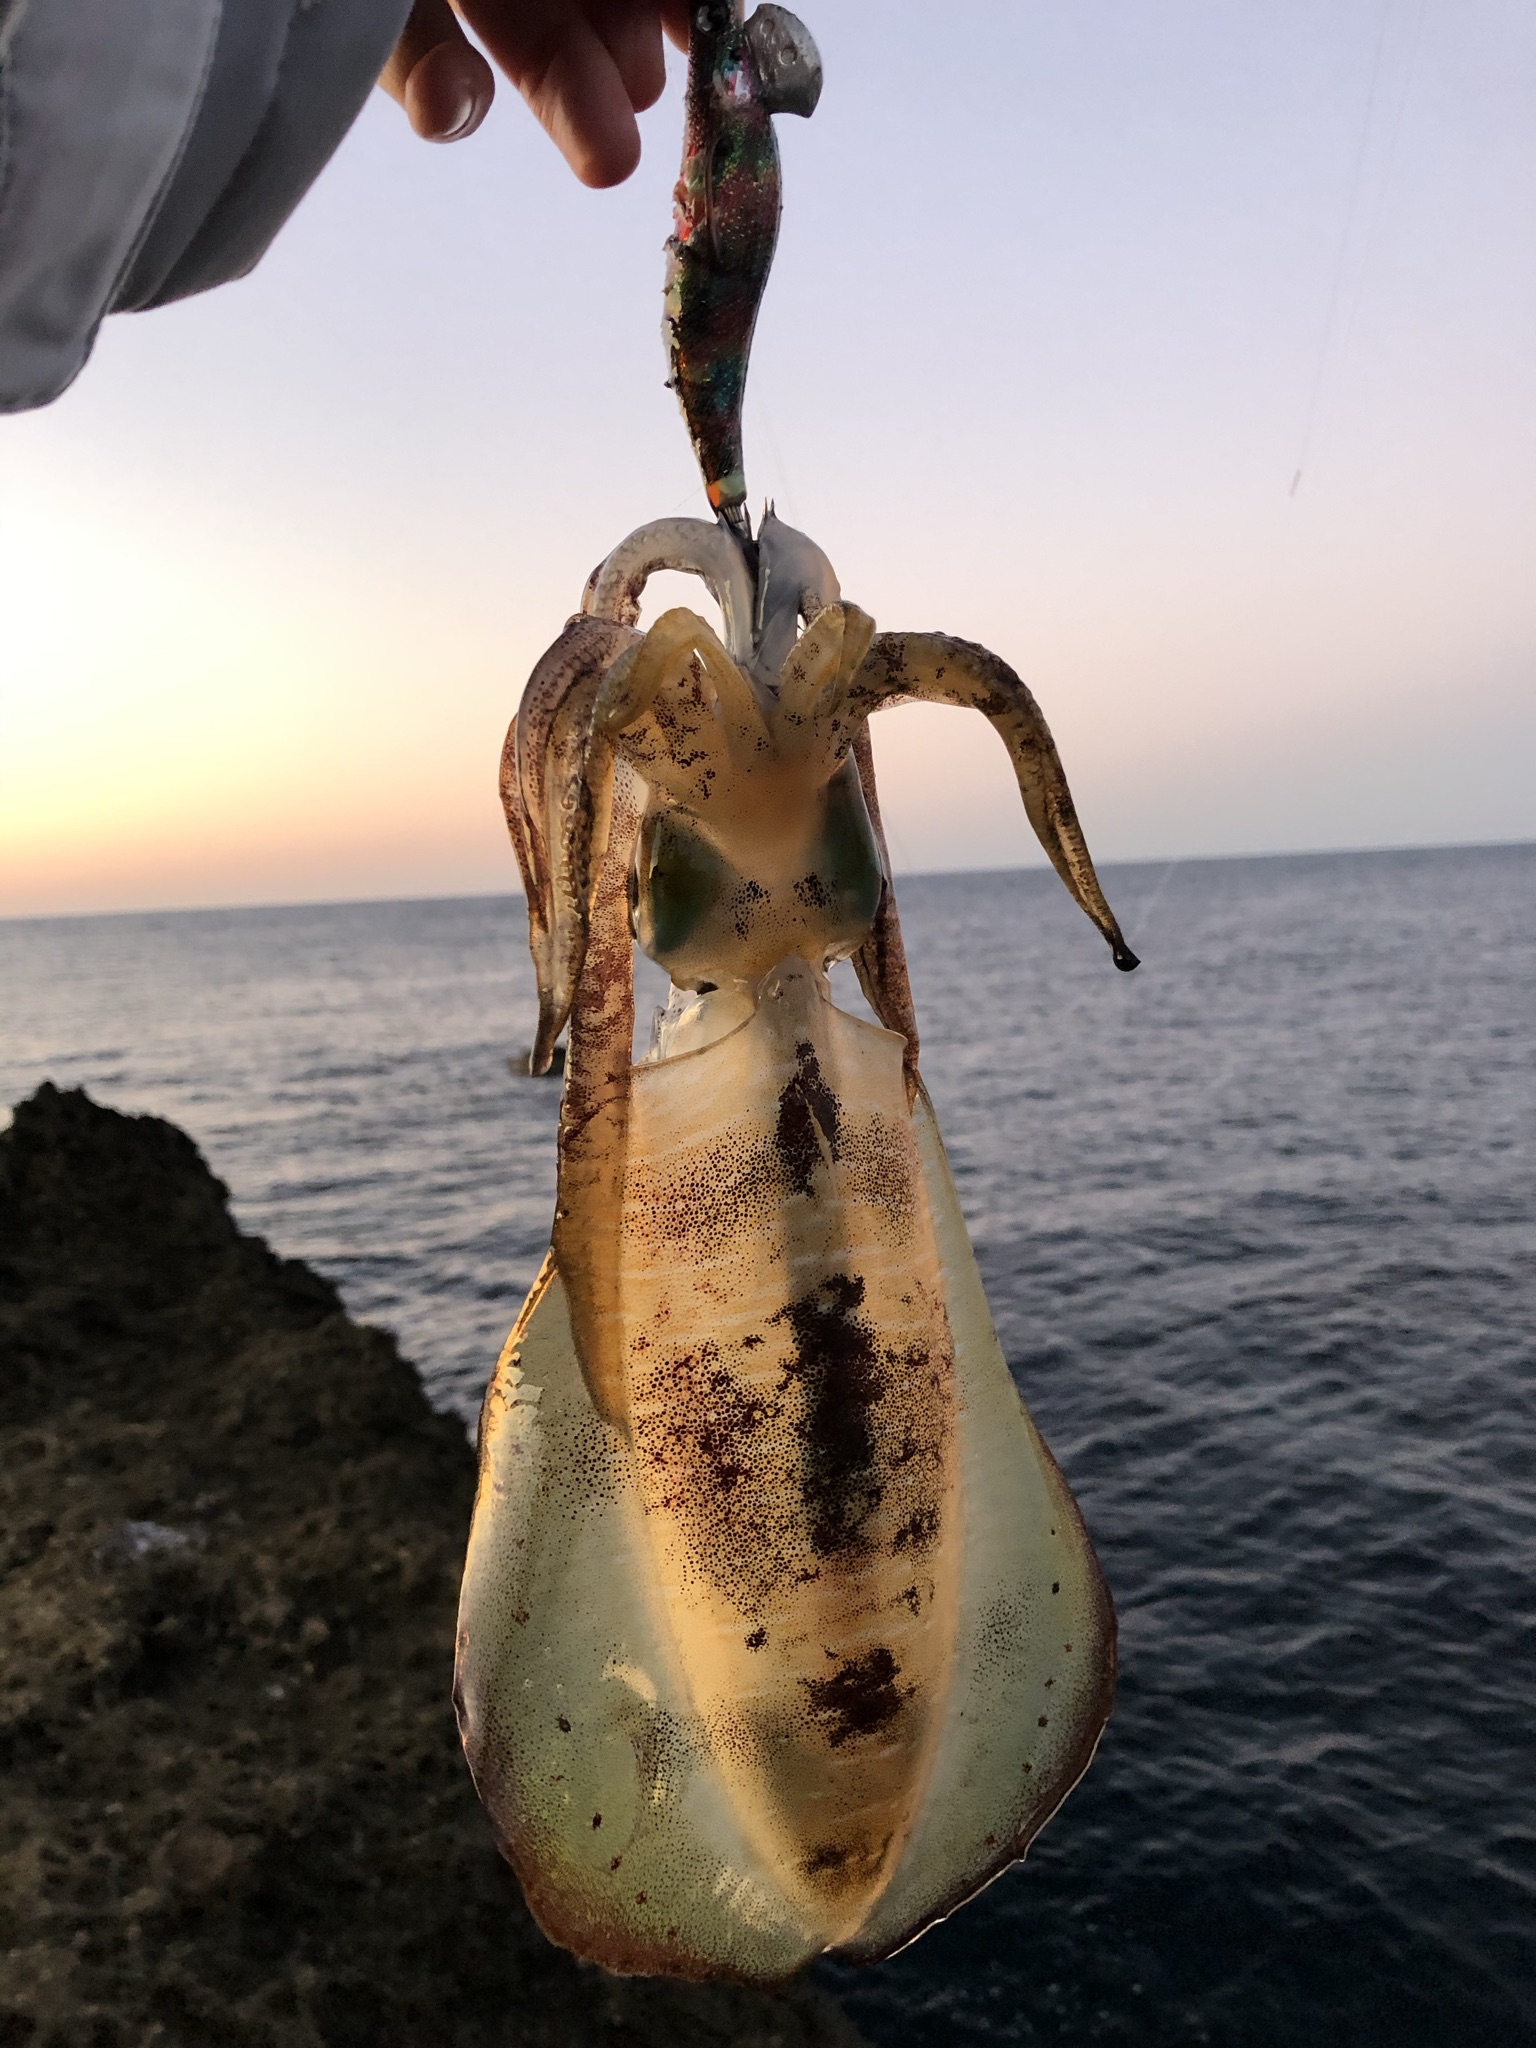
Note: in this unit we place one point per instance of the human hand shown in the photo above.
(585, 67)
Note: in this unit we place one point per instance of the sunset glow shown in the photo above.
(275, 569)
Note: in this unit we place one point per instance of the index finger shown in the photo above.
(560, 64)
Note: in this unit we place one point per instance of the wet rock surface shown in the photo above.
(233, 1808)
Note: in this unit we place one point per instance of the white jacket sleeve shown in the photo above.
(152, 148)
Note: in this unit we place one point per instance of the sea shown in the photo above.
(1258, 1225)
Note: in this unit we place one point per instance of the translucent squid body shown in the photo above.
(780, 1631)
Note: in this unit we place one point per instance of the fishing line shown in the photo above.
(778, 457)
(1346, 243)
(1384, 182)
(1144, 915)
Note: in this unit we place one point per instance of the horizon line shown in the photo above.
(913, 875)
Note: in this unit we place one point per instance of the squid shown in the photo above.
(780, 1632)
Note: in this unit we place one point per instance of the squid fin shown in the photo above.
(598, 1777)
(1034, 1659)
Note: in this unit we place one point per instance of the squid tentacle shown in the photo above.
(935, 668)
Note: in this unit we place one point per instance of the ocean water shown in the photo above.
(1258, 1224)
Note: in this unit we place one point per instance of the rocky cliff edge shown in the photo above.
(233, 1809)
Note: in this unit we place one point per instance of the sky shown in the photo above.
(1184, 353)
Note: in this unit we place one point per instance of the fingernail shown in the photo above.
(468, 114)
(448, 93)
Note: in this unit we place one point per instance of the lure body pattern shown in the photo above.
(725, 223)
(780, 1630)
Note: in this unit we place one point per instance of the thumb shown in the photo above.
(438, 76)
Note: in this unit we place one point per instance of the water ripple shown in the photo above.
(1257, 1227)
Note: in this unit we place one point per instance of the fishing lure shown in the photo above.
(780, 1630)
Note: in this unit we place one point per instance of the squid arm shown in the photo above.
(572, 812)
(695, 547)
(934, 668)
(554, 816)
(701, 684)
(881, 962)
(594, 1111)
(573, 817)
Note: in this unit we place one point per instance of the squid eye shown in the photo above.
(847, 860)
(684, 881)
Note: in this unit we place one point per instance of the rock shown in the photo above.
(232, 1803)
